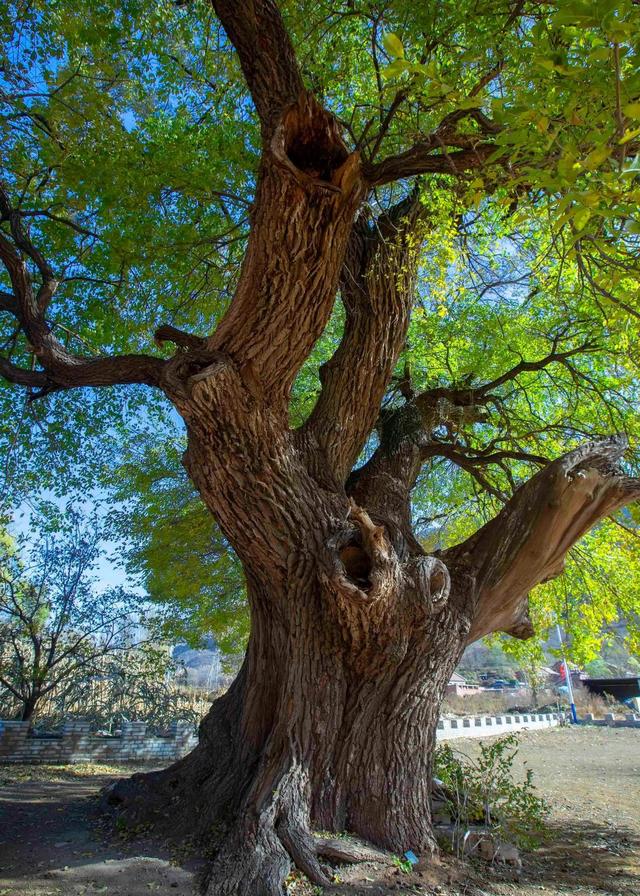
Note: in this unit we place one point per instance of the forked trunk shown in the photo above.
(355, 632)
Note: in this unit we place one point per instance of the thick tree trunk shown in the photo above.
(328, 726)
(331, 721)
(355, 632)
(28, 709)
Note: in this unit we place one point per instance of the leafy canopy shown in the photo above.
(131, 146)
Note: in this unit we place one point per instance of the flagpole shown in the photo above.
(567, 674)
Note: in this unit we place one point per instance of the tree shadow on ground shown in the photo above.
(56, 838)
(586, 854)
(53, 839)
(577, 857)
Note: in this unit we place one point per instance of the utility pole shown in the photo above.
(567, 675)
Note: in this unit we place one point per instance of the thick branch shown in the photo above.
(21, 376)
(309, 188)
(422, 158)
(167, 333)
(385, 482)
(377, 283)
(266, 54)
(308, 191)
(62, 369)
(446, 150)
(411, 434)
(304, 207)
(527, 542)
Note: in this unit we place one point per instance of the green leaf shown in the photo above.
(470, 102)
(596, 157)
(393, 45)
(394, 69)
(581, 218)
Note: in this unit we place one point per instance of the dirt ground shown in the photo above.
(53, 842)
(591, 779)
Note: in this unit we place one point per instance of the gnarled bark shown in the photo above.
(354, 629)
(331, 722)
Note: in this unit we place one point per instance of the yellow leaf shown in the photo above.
(393, 45)
(596, 157)
(628, 135)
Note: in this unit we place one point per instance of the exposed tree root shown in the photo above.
(250, 866)
(258, 867)
(339, 849)
(199, 794)
(257, 855)
(303, 850)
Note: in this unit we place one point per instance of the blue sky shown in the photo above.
(109, 572)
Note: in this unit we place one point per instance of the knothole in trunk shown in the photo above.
(309, 143)
(357, 565)
(314, 154)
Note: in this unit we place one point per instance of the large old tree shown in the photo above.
(520, 110)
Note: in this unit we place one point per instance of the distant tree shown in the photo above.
(598, 669)
(55, 628)
(616, 660)
(531, 660)
(142, 683)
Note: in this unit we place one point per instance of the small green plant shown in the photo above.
(403, 864)
(484, 792)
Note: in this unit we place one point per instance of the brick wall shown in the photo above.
(77, 744)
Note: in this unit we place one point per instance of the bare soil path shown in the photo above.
(52, 842)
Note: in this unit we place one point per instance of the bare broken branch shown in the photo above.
(527, 542)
